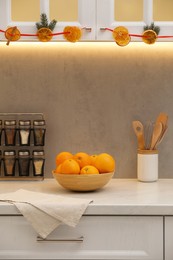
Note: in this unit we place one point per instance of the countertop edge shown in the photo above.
(109, 210)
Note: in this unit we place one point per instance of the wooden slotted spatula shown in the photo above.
(157, 132)
(139, 131)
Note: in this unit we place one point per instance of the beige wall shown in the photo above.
(90, 93)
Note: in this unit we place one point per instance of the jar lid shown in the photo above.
(24, 122)
(10, 122)
(23, 152)
(38, 152)
(9, 153)
(38, 122)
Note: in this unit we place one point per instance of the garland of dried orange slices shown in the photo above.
(120, 34)
(45, 31)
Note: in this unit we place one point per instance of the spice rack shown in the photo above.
(22, 140)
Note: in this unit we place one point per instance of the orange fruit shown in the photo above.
(89, 169)
(93, 159)
(83, 159)
(61, 157)
(44, 34)
(58, 169)
(149, 36)
(105, 163)
(70, 166)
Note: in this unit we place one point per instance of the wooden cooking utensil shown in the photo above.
(139, 131)
(161, 138)
(157, 132)
(163, 118)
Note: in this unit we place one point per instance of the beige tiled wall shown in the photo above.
(90, 93)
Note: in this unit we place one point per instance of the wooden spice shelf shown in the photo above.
(23, 159)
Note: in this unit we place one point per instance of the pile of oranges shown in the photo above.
(83, 163)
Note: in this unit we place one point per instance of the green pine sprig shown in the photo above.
(52, 24)
(44, 22)
(153, 27)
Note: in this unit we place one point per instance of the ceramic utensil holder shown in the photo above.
(147, 165)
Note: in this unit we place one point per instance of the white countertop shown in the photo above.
(118, 197)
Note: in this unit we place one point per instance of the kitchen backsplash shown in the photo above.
(90, 93)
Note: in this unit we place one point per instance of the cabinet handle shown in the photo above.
(103, 29)
(88, 29)
(40, 239)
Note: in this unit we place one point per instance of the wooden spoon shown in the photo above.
(157, 132)
(139, 131)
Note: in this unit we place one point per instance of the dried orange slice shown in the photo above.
(149, 36)
(44, 34)
(12, 34)
(121, 36)
(72, 33)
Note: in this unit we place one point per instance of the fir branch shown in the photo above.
(156, 29)
(152, 26)
(52, 24)
(44, 20)
(38, 25)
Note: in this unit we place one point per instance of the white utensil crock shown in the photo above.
(147, 165)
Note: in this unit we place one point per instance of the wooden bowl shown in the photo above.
(83, 182)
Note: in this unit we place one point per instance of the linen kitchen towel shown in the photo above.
(46, 212)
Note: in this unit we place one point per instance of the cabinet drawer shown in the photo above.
(104, 237)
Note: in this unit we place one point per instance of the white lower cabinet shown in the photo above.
(95, 237)
(169, 238)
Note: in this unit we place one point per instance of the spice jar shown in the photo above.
(39, 132)
(10, 132)
(38, 160)
(24, 132)
(9, 163)
(24, 162)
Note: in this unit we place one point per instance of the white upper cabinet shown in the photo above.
(134, 15)
(93, 16)
(24, 14)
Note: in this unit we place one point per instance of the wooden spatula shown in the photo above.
(157, 132)
(139, 131)
(163, 118)
(161, 138)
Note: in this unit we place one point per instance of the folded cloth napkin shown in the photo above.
(46, 212)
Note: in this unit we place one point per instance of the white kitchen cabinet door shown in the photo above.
(114, 13)
(168, 238)
(12, 13)
(95, 237)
